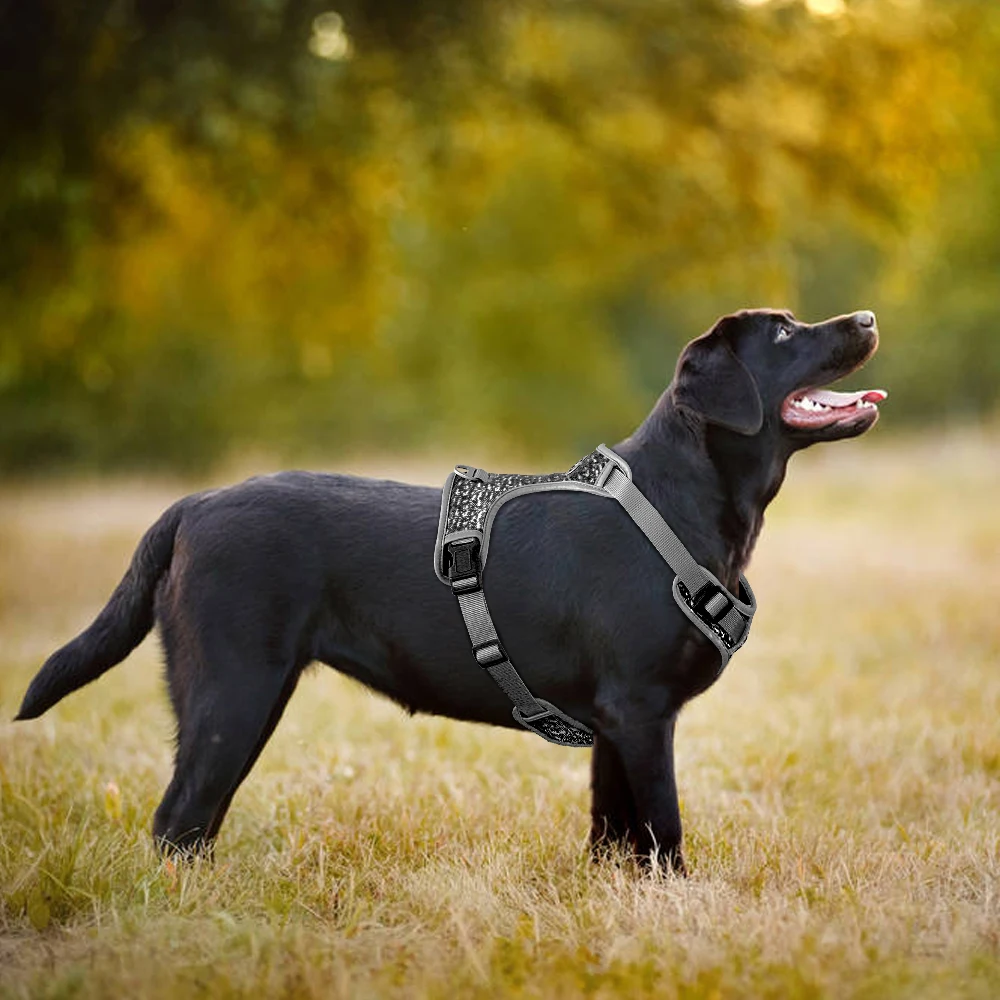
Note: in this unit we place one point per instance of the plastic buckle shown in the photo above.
(471, 472)
(490, 654)
(710, 605)
(554, 726)
(713, 603)
(463, 566)
(614, 464)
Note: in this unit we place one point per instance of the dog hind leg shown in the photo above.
(228, 703)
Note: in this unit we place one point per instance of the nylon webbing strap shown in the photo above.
(486, 644)
(533, 713)
(700, 595)
(735, 623)
(648, 519)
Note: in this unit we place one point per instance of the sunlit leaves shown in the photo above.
(294, 226)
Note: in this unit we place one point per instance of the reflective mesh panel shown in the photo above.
(472, 498)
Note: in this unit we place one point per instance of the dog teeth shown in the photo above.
(809, 404)
(805, 403)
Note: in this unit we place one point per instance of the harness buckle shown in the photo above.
(463, 566)
(713, 603)
(490, 653)
(710, 605)
(471, 472)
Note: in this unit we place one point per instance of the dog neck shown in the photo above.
(751, 470)
(739, 476)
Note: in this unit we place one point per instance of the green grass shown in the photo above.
(840, 788)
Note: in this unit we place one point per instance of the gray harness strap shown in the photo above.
(470, 501)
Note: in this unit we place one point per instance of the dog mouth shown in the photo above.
(844, 414)
(812, 409)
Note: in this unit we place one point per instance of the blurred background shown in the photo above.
(271, 226)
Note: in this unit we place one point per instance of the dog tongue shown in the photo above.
(838, 399)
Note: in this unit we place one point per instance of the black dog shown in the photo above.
(252, 583)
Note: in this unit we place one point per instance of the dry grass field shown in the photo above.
(840, 787)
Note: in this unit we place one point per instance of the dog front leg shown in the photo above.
(613, 818)
(634, 787)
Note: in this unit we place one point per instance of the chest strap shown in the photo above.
(722, 618)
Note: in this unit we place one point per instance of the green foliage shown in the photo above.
(267, 224)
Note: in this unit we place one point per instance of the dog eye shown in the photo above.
(784, 333)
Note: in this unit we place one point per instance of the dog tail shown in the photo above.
(123, 623)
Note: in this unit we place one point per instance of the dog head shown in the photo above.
(761, 370)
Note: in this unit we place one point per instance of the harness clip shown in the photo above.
(463, 566)
(471, 472)
(710, 605)
(490, 654)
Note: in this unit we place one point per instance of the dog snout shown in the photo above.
(865, 334)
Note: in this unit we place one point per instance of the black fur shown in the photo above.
(250, 584)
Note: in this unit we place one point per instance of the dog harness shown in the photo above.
(470, 501)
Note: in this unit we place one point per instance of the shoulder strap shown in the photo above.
(723, 619)
(533, 713)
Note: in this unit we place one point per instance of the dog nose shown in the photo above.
(865, 318)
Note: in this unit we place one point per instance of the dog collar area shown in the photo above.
(470, 501)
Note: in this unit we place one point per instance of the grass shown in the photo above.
(840, 788)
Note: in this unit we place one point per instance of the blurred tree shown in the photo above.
(277, 224)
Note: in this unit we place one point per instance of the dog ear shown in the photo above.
(711, 380)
